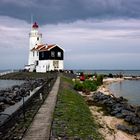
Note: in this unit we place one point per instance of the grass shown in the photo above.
(72, 117)
(27, 75)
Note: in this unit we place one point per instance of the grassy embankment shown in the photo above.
(27, 75)
(72, 117)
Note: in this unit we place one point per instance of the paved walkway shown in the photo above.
(41, 125)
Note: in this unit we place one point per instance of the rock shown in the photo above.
(121, 127)
(15, 87)
(117, 105)
(121, 99)
(135, 120)
(137, 111)
(119, 115)
(7, 100)
(1, 106)
(1, 93)
(12, 103)
(128, 118)
(133, 130)
(114, 112)
(18, 98)
(2, 99)
(127, 113)
(129, 107)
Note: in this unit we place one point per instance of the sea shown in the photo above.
(106, 72)
(129, 89)
(8, 83)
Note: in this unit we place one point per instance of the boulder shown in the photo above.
(128, 118)
(137, 111)
(1, 93)
(114, 112)
(119, 115)
(127, 113)
(15, 87)
(135, 120)
(1, 106)
(8, 100)
(18, 98)
(2, 99)
(121, 127)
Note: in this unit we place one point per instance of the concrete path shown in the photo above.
(41, 125)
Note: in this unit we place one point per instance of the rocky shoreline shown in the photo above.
(11, 96)
(117, 118)
(119, 108)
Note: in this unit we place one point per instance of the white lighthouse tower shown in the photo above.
(35, 39)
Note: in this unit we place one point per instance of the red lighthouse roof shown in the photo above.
(35, 25)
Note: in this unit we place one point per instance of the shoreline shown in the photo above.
(110, 132)
(106, 82)
(108, 124)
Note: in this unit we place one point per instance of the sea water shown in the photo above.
(106, 72)
(129, 89)
(9, 83)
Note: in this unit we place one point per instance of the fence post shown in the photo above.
(23, 107)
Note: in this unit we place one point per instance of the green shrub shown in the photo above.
(86, 86)
(90, 85)
(78, 86)
(99, 80)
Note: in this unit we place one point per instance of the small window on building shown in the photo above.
(33, 53)
(52, 54)
(37, 53)
(37, 38)
(59, 54)
(42, 54)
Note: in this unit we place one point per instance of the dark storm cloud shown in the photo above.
(54, 11)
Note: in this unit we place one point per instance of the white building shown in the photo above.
(43, 57)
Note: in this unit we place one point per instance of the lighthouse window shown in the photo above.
(59, 54)
(52, 54)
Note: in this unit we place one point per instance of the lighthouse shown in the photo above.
(35, 39)
(43, 57)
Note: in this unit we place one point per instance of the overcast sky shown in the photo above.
(95, 34)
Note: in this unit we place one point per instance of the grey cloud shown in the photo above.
(86, 44)
(22, 3)
(55, 11)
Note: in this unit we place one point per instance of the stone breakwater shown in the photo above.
(119, 108)
(10, 96)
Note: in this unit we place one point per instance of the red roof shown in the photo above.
(43, 47)
(35, 25)
(50, 46)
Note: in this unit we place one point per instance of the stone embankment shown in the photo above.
(119, 108)
(10, 96)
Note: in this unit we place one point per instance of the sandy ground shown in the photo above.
(108, 123)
